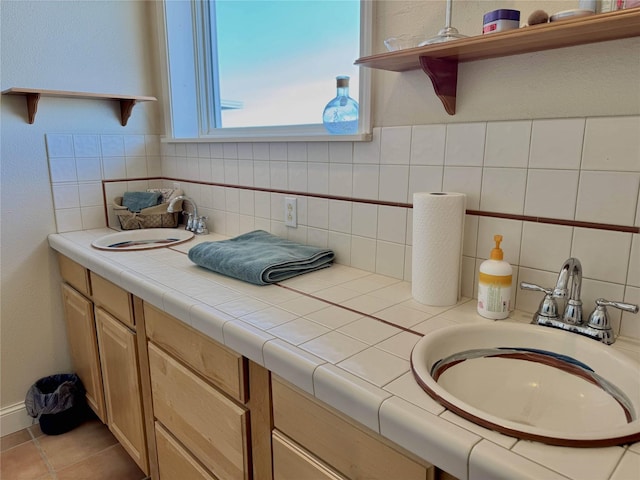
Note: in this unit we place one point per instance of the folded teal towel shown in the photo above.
(259, 257)
(136, 201)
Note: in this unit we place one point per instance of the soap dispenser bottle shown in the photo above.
(494, 285)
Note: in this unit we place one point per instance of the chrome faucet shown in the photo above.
(195, 223)
(568, 289)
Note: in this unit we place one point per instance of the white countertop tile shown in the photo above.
(489, 461)
(268, 318)
(209, 320)
(291, 363)
(497, 438)
(406, 388)
(299, 331)
(369, 330)
(245, 338)
(628, 468)
(427, 435)
(351, 395)
(333, 346)
(375, 366)
(591, 463)
(333, 317)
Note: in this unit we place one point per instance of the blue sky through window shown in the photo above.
(279, 58)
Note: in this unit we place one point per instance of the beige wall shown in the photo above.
(86, 46)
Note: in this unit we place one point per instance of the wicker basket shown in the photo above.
(152, 217)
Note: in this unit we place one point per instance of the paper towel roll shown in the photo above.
(438, 227)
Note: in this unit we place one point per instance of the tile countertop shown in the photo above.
(318, 331)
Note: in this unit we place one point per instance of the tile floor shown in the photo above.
(89, 451)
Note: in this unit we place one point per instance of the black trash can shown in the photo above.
(59, 402)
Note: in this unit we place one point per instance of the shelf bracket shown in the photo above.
(444, 77)
(32, 106)
(126, 106)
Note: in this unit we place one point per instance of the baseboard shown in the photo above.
(14, 418)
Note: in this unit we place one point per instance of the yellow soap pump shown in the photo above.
(494, 284)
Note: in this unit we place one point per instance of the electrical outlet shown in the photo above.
(290, 212)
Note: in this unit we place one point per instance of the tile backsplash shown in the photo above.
(355, 197)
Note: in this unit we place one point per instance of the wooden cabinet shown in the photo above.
(292, 462)
(200, 390)
(331, 439)
(83, 345)
(119, 362)
(175, 461)
(103, 345)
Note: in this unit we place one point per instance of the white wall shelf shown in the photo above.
(32, 95)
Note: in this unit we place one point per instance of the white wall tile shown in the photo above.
(465, 144)
(470, 242)
(278, 172)
(152, 144)
(88, 168)
(607, 197)
(508, 144)
(298, 174)
(340, 243)
(551, 193)
(363, 253)
(65, 196)
(261, 174)
(340, 216)
(232, 199)
(394, 183)
(503, 190)
(544, 246)
(424, 179)
(427, 144)
(392, 224)
(365, 181)
(231, 171)
(63, 169)
(262, 204)
(134, 145)
(318, 212)
(68, 220)
(604, 254)
(245, 151)
(112, 145)
(59, 145)
(368, 152)
(245, 172)
(341, 152)
(633, 275)
(90, 194)
(86, 145)
(92, 217)
(114, 167)
(136, 167)
(318, 177)
(612, 143)
(389, 259)
(527, 300)
(297, 152)
(154, 166)
(467, 180)
(365, 220)
(395, 146)
(341, 179)
(556, 143)
(192, 150)
(629, 324)
(277, 151)
(318, 152)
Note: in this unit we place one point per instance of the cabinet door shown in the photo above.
(291, 462)
(83, 344)
(174, 461)
(208, 423)
(119, 360)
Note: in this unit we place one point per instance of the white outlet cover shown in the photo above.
(290, 212)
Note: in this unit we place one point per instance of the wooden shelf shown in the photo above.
(440, 61)
(33, 95)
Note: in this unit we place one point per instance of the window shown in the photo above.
(262, 68)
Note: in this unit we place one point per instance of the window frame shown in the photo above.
(188, 87)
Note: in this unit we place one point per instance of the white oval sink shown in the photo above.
(142, 239)
(532, 382)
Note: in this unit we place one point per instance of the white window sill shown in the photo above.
(360, 137)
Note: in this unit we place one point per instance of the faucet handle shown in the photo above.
(599, 318)
(548, 308)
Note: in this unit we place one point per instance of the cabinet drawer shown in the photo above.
(290, 462)
(113, 299)
(74, 274)
(352, 450)
(174, 461)
(209, 424)
(221, 366)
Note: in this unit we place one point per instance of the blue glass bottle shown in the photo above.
(340, 116)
